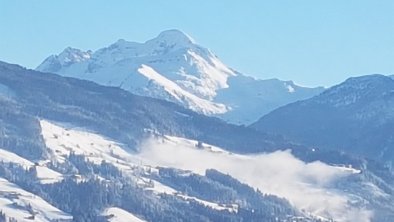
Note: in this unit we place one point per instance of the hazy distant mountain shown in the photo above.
(356, 116)
(175, 68)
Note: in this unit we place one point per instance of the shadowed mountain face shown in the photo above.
(356, 116)
(112, 112)
(175, 68)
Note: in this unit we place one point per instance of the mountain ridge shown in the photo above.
(191, 68)
(354, 116)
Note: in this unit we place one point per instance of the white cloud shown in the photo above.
(305, 185)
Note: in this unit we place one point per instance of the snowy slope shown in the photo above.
(294, 180)
(61, 141)
(44, 174)
(308, 186)
(22, 205)
(114, 214)
(175, 91)
(174, 67)
(159, 188)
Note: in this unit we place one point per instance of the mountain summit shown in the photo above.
(174, 37)
(175, 68)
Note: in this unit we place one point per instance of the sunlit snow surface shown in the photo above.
(181, 95)
(193, 74)
(44, 174)
(308, 186)
(173, 67)
(15, 202)
(114, 214)
(160, 188)
(62, 142)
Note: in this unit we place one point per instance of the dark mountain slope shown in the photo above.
(115, 113)
(356, 116)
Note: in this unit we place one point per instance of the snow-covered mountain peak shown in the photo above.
(72, 55)
(194, 71)
(184, 72)
(66, 58)
(174, 36)
(173, 41)
(167, 42)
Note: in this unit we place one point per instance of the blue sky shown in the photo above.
(313, 42)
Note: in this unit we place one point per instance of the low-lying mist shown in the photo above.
(306, 185)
